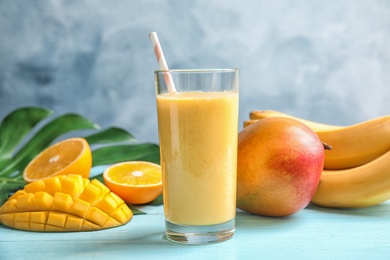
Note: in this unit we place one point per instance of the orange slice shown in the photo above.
(136, 182)
(70, 156)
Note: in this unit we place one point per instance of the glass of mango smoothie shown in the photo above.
(198, 130)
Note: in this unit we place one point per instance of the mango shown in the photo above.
(279, 164)
(64, 203)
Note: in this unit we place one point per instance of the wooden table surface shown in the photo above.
(313, 233)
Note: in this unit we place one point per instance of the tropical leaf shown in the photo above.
(131, 152)
(110, 135)
(136, 211)
(157, 202)
(16, 126)
(5, 162)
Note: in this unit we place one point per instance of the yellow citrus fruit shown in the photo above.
(70, 156)
(136, 182)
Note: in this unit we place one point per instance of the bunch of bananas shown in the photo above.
(357, 169)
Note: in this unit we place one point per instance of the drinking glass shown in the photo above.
(198, 131)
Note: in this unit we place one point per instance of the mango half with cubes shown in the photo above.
(64, 203)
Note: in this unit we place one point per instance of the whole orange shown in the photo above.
(279, 164)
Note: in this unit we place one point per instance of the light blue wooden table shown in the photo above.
(313, 233)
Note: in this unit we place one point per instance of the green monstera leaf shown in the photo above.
(27, 131)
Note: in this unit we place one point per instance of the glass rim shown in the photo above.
(197, 70)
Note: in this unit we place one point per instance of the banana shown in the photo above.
(260, 114)
(362, 186)
(352, 145)
(249, 122)
(356, 144)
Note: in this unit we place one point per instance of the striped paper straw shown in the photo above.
(162, 62)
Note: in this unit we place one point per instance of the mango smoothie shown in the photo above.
(198, 142)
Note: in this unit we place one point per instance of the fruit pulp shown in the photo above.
(198, 134)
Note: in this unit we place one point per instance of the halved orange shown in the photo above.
(136, 182)
(70, 156)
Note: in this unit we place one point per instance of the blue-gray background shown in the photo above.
(328, 61)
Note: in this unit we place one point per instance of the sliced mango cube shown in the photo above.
(73, 185)
(80, 208)
(24, 202)
(107, 204)
(34, 187)
(57, 219)
(74, 223)
(39, 217)
(42, 200)
(64, 203)
(17, 194)
(9, 206)
(97, 216)
(90, 193)
(36, 226)
(52, 185)
(7, 218)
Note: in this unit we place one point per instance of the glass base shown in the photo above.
(193, 235)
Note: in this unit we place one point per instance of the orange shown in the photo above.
(70, 156)
(136, 182)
